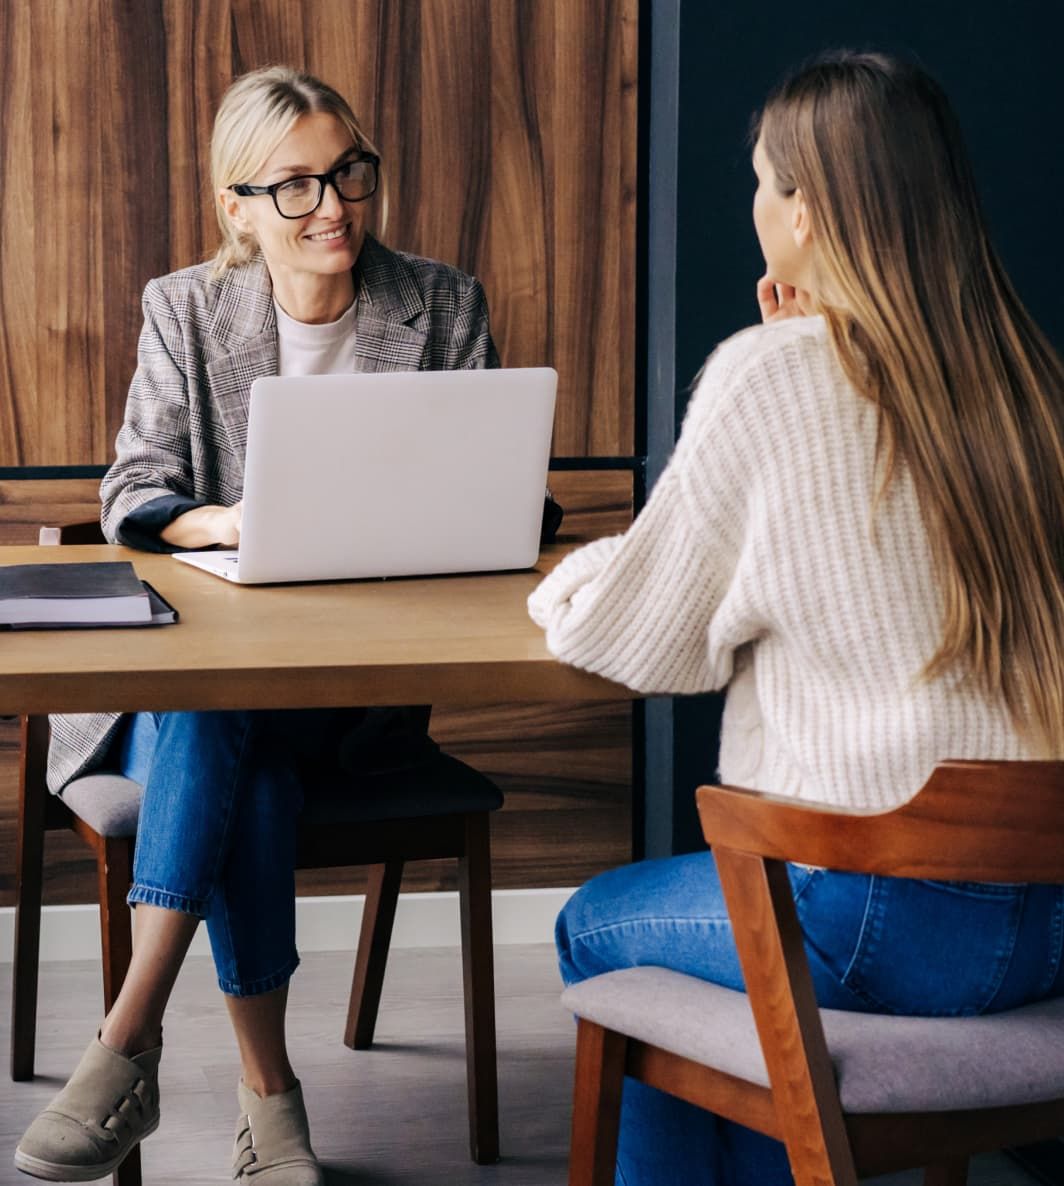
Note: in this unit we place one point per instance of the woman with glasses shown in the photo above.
(861, 535)
(298, 287)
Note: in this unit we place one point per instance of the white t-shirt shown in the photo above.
(315, 349)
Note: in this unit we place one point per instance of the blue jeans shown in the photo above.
(217, 830)
(875, 944)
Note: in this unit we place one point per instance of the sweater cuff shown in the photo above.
(141, 527)
(575, 571)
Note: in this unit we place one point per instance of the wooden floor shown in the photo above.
(392, 1116)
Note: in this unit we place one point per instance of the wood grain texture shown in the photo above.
(27, 505)
(735, 1099)
(565, 768)
(768, 938)
(19, 333)
(996, 821)
(598, 1083)
(198, 66)
(464, 640)
(596, 502)
(971, 821)
(596, 106)
(507, 130)
(887, 1143)
(83, 221)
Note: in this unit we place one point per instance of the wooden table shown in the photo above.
(446, 640)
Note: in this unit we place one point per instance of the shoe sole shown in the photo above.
(53, 1171)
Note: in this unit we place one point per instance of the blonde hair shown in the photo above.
(255, 115)
(927, 326)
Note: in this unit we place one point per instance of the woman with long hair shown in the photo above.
(861, 536)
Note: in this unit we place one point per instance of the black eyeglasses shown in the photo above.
(354, 180)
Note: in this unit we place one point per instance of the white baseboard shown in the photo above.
(323, 923)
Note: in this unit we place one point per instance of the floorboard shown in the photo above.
(391, 1116)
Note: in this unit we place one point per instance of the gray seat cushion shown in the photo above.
(110, 804)
(882, 1064)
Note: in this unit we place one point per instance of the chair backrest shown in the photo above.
(972, 821)
(978, 821)
(72, 533)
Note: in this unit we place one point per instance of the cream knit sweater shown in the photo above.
(756, 564)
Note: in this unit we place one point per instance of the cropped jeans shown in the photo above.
(217, 832)
(875, 944)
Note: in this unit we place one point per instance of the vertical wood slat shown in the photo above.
(594, 205)
(65, 172)
(383, 883)
(397, 93)
(522, 224)
(114, 877)
(451, 208)
(508, 131)
(132, 229)
(769, 940)
(597, 1089)
(28, 886)
(18, 224)
(478, 979)
(199, 66)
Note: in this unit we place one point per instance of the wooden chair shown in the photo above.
(849, 1094)
(439, 811)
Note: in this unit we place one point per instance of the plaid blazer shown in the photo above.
(203, 344)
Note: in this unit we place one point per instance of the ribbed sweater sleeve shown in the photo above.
(637, 608)
(758, 563)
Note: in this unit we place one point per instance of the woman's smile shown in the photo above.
(331, 236)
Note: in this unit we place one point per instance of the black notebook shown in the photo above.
(37, 596)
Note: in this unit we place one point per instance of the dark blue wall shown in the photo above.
(1001, 66)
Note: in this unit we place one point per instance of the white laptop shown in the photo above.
(395, 474)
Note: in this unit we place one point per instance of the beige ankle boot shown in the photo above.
(272, 1146)
(110, 1104)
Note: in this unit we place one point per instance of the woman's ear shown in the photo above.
(234, 210)
(801, 221)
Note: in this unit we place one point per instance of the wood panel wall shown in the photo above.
(507, 129)
(508, 132)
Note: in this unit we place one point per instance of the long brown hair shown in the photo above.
(927, 326)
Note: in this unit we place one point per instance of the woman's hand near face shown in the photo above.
(777, 301)
(204, 526)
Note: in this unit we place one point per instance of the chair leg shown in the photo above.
(114, 873)
(128, 1173)
(947, 1173)
(598, 1084)
(382, 895)
(478, 974)
(29, 862)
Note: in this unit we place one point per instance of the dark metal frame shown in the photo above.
(323, 179)
(659, 91)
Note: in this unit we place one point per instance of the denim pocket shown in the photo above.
(934, 948)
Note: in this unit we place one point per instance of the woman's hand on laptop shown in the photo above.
(205, 526)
